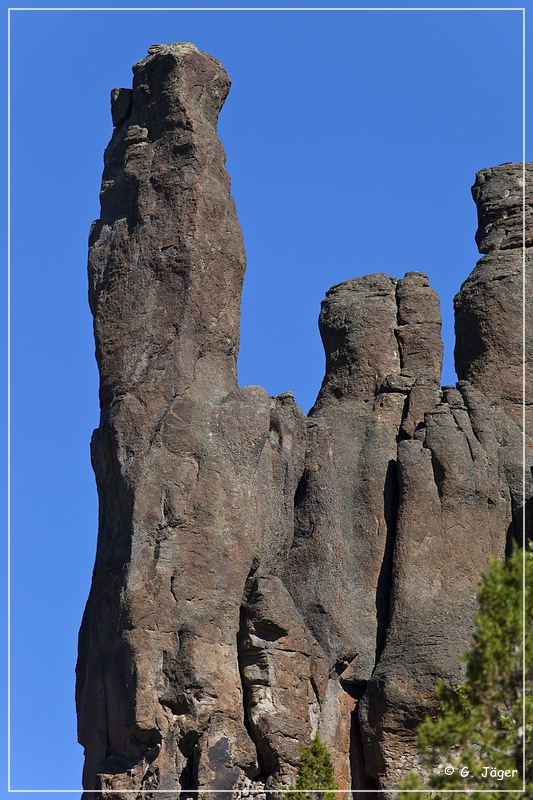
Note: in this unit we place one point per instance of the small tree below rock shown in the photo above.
(477, 742)
(315, 772)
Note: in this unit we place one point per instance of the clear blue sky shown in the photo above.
(352, 140)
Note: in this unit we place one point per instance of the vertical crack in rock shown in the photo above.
(360, 777)
(420, 346)
(384, 584)
(243, 646)
(367, 524)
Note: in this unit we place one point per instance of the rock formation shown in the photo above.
(261, 575)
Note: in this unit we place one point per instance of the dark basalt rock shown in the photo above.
(489, 351)
(260, 576)
(461, 492)
(501, 195)
(375, 334)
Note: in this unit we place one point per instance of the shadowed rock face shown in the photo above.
(259, 575)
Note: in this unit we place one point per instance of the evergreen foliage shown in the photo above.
(315, 771)
(479, 736)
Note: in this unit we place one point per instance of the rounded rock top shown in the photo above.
(174, 47)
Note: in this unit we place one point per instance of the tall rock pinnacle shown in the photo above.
(489, 350)
(196, 477)
(261, 576)
(167, 250)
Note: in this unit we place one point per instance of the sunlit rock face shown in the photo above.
(261, 576)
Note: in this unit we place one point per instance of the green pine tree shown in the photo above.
(479, 735)
(315, 771)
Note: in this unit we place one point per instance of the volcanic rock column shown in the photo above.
(492, 344)
(382, 341)
(488, 309)
(196, 478)
(260, 576)
(383, 362)
(460, 492)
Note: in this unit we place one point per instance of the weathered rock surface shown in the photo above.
(375, 331)
(196, 477)
(453, 513)
(259, 575)
(461, 493)
(489, 349)
(494, 324)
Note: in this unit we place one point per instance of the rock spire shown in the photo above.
(261, 575)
